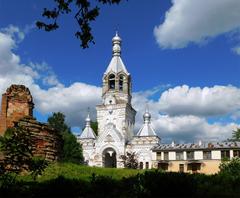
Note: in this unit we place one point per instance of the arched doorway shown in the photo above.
(109, 158)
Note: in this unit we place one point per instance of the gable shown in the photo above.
(110, 134)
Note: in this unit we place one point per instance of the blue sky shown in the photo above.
(169, 47)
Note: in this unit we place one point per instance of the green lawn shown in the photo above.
(75, 171)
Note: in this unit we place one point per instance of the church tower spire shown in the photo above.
(116, 45)
(116, 116)
(116, 79)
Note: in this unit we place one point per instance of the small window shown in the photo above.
(147, 165)
(181, 168)
(207, 155)
(141, 165)
(190, 155)
(225, 154)
(159, 156)
(236, 153)
(111, 81)
(121, 83)
(179, 155)
(165, 156)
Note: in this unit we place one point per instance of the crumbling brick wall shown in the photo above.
(17, 103)
(17, 110)
(47, 141)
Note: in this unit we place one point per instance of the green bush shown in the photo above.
(230, 168)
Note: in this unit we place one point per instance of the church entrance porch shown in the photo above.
(109, 158)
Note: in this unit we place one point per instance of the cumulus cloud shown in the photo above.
(186, 109)
(196, 21)
(191, 129)
(181, 113)
(72, 101)
(207, 101)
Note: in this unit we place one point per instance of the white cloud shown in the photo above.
(187, 110)
(207, 101)
(236, 50)
(72, 100)
(191, 128)
(187, 107)
(195, 21)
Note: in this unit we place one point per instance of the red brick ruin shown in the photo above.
(16, 103)
(17, 110)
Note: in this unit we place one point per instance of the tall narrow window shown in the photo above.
(141, 165)
(147, 165)
(159, 156)
(225, 154)
(181, 168)
(111, 81)
(190, 155)
(165, 155)
(179, 155)
(121, 83)
(207, 155)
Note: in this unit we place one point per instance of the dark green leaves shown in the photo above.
(85, 14)
(72, 150)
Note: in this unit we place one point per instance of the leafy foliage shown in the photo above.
(94, 126)
(130, 160)
(72, 150)
(231, 168)
(37, 165)
(72, 180)
(17, 146)
(236, 135)
(86, 13)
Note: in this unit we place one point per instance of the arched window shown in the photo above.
(111, 81)
(121, 82)
(141, 165)
(147, 165)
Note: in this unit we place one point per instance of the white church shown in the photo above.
(116, 119)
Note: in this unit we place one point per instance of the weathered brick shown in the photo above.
(17, 110)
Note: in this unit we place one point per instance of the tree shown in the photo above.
(85, 14)
(236, 135)
(17, 146)
(130, 160)
(72, 150)
(231, 168)
(94, 126)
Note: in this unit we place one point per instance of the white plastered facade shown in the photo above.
(116, 119)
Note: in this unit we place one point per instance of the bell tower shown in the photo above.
(116, 79)
(116, 111)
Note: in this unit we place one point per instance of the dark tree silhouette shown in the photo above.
(130, 160)
(84, 15)
(72, 150)
(236, 135)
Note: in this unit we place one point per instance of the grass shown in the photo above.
(75, 171)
